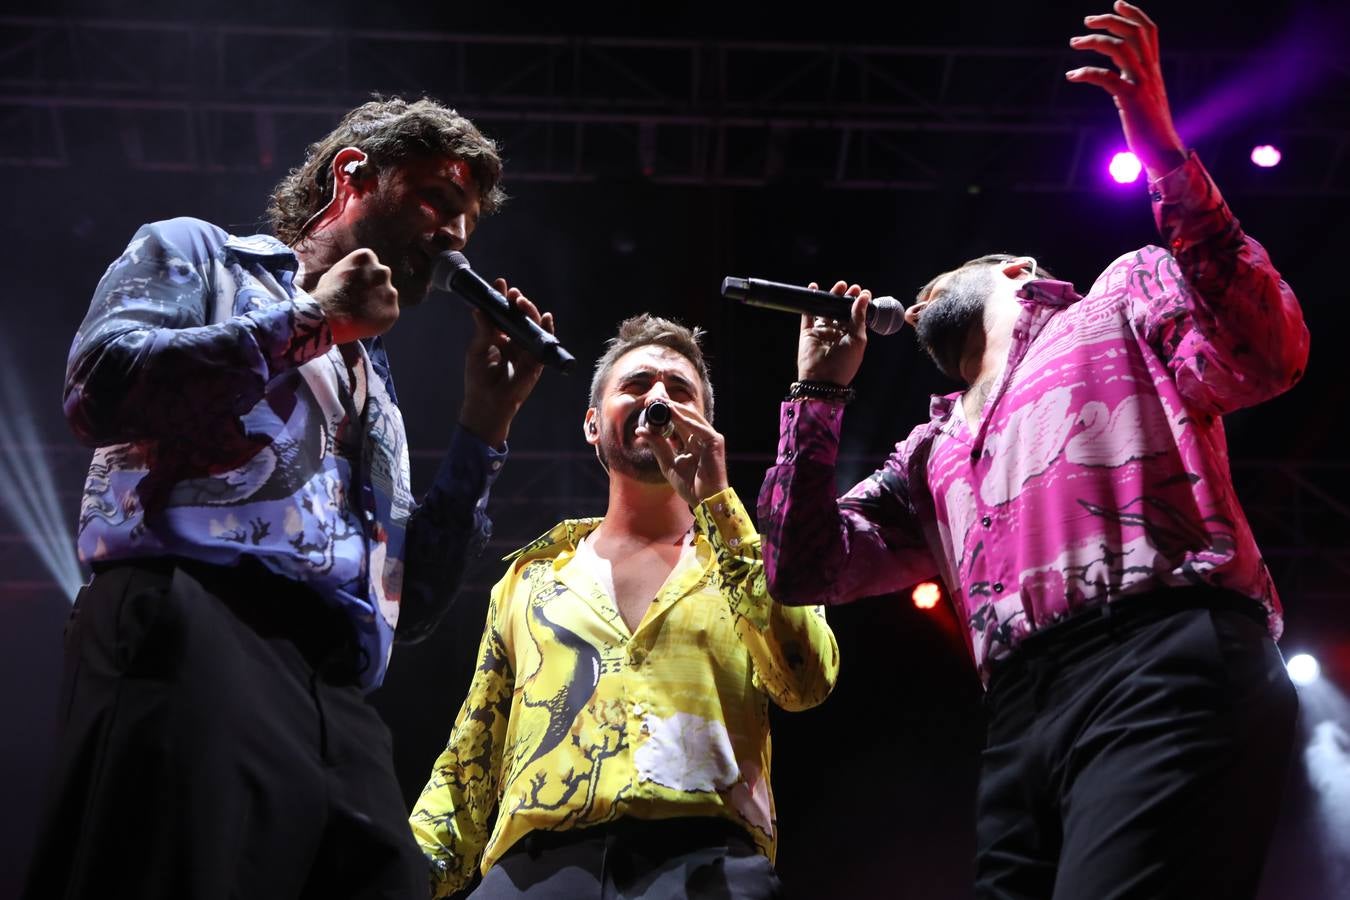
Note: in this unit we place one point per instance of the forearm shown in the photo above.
(795, 656)
(453, 816)
(1244, 339)
(148, 383)
(446, 533)
(820, 550)
(154, 358)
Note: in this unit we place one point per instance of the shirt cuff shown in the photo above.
(809, 430)
(723, 517)
(470, 465)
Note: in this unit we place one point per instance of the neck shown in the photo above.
(319, 251)
(643, 511)
(988, 346)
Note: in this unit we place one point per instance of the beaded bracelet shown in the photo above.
(821, 390)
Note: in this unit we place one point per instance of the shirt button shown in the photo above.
(998, 587)
(788, 454)
(370, 515)
(637, 655)
(734, 542)
(721, 509)
(788, 414)
(496, 465)
(986, 521)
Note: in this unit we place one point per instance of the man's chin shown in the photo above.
(638, 464)
(410, 295)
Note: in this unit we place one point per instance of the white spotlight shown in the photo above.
(1303, 669)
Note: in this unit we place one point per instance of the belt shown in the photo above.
(664, 836)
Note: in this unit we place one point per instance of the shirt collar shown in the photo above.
(1048, 292)
(266, 247)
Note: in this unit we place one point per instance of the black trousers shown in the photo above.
(214, 745)
(1136, 753)
(634, 859)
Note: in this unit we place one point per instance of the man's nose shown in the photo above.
(453, 233)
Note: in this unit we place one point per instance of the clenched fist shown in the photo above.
(357, 297)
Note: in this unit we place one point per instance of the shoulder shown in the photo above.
(187, 235)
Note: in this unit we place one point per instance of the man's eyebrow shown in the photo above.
(680, 380)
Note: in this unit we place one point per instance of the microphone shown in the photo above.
(657, 417)
(885, 315)
(452, 273)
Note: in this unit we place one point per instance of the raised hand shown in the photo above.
(357, 296)
(832, 351)
(498, 373)
(1130, 40)
(693, 458)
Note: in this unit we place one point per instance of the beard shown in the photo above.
(945, 324)
(409, 270)
(619, 455)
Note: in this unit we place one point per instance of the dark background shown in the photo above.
(874, 788)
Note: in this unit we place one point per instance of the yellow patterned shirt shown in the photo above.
(572, 721)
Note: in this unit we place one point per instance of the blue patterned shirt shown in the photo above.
(227, 423)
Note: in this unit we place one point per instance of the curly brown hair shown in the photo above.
(389, 131)
(645, 330)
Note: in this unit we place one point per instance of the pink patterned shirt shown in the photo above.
(1098, 468)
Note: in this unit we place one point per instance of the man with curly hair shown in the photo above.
(249, 518)
(615, 738)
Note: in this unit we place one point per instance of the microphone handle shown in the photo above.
(793, 298)
(475, 289)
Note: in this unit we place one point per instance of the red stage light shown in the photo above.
(926, 594)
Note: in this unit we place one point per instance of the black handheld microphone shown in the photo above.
(452, 273)
(657, 417)
(885, 315)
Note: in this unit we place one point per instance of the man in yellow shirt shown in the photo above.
(615, 739)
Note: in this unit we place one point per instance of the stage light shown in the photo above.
(926, 594)
(1303, 669)
(28, 486)
(1266, 155)
(1125, 167)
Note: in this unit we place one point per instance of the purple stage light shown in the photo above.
(1266, 155)
(1125, 167)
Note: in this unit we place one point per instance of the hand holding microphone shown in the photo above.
(452, 273)
(690, 452)
(500, 369)
(885, 315)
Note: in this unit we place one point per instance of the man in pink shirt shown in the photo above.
(1076, 501)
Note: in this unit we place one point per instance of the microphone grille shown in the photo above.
(886, 315)
(456, 259)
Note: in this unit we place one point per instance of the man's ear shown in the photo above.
(1023, 267)
(351, 172)
(590, 428)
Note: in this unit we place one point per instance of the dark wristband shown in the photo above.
(820, 390)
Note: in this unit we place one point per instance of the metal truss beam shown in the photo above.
(229, 98)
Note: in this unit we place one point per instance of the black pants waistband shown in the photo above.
(1070, 636)
(672, 836)
(273, 605)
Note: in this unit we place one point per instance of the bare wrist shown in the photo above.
(488, 427)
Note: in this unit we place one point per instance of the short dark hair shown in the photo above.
(389, 131)
(989, 259)
(646, 330)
